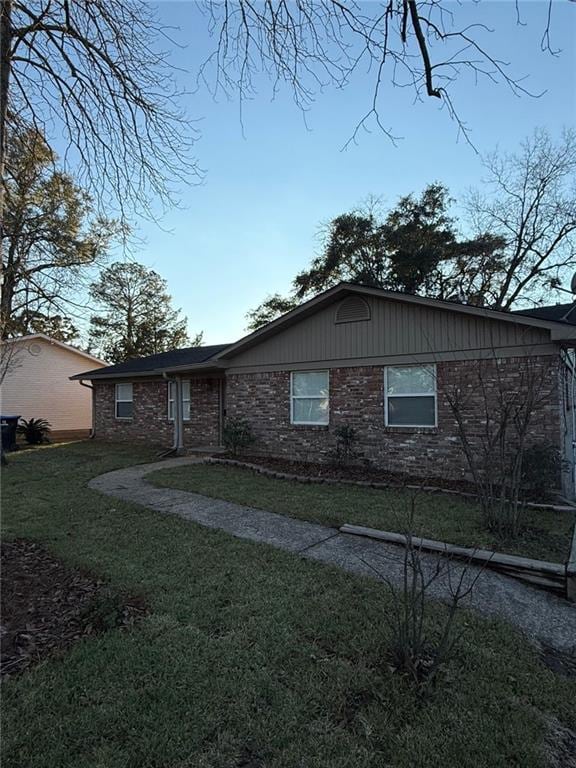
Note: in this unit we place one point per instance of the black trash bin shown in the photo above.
(9, 424)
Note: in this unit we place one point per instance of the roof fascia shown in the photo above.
(56, 343)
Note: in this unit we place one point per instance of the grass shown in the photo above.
(546, 536)
(249, 656)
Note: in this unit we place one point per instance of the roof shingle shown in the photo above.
(163, 360)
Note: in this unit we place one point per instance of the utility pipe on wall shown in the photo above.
(92, 434)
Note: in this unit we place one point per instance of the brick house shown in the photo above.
(389, 364)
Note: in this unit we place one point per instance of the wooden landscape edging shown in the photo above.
(367, 483)
(554, 576)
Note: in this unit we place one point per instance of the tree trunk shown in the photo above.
(5, 65)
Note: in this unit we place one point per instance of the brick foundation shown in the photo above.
(357, 399)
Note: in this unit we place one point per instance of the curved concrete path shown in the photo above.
(541, 615)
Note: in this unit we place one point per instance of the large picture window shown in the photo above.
(309, 397)
(185, 400)
(410, 395)
(124, 401)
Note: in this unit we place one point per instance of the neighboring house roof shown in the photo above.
(564, 313)
(215, 356)
(42, 337)
(156, 364)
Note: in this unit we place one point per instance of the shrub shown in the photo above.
(34, 431)
(238, 435)
(417, 649)
(346, 440)
(541, 468)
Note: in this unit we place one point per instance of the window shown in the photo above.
(124, 401)
(185, 400)
(309, 398)
(410, 396)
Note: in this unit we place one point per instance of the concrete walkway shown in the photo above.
(540, 615)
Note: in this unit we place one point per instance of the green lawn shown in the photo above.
(547, 534)
(249, 656)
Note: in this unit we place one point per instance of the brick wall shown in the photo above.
(150, 413)
(357, 399)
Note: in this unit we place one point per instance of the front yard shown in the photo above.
(547, 534)
(248, 656)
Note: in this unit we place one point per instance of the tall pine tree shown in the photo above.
(136, 316)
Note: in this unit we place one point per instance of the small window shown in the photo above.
(124, 401)
(185, 400)
(410, 396)
(309, 398)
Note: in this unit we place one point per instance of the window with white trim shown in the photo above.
(185, 400)
(124, 404)
(410, 395)
(309, 402)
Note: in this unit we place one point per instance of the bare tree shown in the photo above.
(529, 203)
(494, 416)
(423, 45)
(98, 73)
(413, 649)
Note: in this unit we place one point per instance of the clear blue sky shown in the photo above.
(253, 223)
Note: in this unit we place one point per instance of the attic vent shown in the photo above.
(352, 309)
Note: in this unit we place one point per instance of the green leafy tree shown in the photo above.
(135, 315)
(412, 249)
(52, 239)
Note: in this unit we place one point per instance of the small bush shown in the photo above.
(541, 468)
(346, 440)
(34, 431)
(238, 435)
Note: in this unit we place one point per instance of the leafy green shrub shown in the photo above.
(346, 440)
(541, 467)
(238, 435)
(34, 431)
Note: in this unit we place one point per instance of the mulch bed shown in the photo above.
(47, 606)
(354, 472)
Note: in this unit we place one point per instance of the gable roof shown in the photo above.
(563, 313)
(156, 364)
(216, 356)
(54, 342)
(559, 330)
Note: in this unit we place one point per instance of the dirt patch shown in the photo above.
(350, 472)
(46, 606)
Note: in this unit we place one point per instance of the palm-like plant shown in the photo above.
(35, 431)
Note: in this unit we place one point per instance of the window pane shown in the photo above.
(310, 411)
(124, 392)
(185, 390)
(411, 379)
(186, 410)
(124, 410)
(310, 384)
(411, 411)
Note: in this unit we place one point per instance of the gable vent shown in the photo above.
(352, 309)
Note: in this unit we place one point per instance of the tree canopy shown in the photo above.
(51, 240)
(135, 316)
(520, 249)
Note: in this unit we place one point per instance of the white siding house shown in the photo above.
(37, 385)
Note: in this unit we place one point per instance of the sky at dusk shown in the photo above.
(274, 178)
